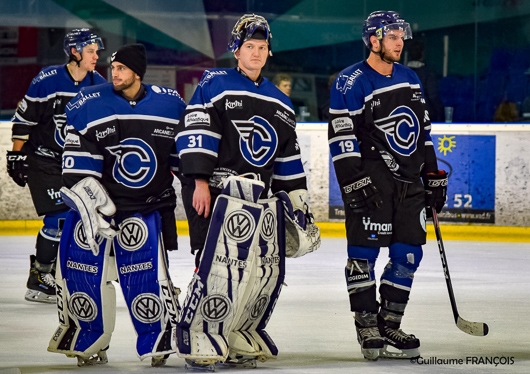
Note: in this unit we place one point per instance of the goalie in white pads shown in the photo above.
(117, 171)
(239, 124)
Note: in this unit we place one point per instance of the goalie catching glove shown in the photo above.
(302, 236)
(90, 199)
(17, 167)
(435, 191)
(361, 195)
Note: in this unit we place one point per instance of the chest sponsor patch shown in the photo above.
(342, 124)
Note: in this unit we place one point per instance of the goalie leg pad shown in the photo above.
(86, 300)
(217, 289)
(249, 337)
(147, 288)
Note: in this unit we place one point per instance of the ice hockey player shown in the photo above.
(384, 159)
(238, 147)
(118, 159)
(38, 138)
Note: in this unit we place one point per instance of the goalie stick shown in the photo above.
(471, 328)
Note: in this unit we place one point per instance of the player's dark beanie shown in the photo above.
(132, 56)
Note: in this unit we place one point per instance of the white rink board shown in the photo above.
(512, 171)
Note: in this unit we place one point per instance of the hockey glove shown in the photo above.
(17, 167)
(361, 195)
(90, 199)
(302, 235)
(435, 191)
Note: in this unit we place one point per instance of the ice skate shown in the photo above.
(157, 361)
(242, 361)
(41, 283)
(398, 344)
(201, 365)
(368, 335)
(97, 359)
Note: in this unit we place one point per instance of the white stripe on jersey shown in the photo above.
(251, 94)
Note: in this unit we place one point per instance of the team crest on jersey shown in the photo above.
(135, 164)
(258, 140)
(402, 130)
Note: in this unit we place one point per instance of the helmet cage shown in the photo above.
(245, 28)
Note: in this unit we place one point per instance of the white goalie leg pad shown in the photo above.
(147, 288)
(218, 288)
(90, 199)
(302, 235)
(86, 299)
(249, 337)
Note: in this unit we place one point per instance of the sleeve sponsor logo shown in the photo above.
(83, 99)
(42, 75)
(342, 124)
(103, 134)
(196, 118)
(236, 104)
(165, 91)
(72, 140)
(210, 74)
(346, 82)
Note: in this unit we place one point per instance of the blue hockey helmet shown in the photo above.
(249, 26)
(79, 38)
(379, 23)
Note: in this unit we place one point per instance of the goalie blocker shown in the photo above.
(233, 293)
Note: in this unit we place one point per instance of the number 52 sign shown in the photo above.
(470, 162)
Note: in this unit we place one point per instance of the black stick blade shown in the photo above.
(472, 328)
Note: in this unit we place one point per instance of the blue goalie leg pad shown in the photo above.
(86, 300)
(147, 288)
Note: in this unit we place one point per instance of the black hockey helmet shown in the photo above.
(80, 38)
(380, 22)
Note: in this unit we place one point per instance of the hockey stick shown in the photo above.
(471, 328)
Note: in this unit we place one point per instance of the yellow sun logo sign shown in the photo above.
(446, 144)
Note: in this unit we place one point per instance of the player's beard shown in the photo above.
(125, 84)
(388, 57)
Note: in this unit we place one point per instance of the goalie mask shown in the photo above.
(80, 38)
(249, 26)
(381, 22)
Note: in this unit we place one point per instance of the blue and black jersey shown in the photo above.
(129, 146)
(235, 126)
(40, 117)
(373, 116)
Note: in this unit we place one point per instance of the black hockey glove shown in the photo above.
(435, 191)
(17, 167)
(361, 195)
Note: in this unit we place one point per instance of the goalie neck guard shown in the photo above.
(247, 27)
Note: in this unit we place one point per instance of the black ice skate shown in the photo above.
(401, 344)
(241, 361)
(368, 335)
(41, 283)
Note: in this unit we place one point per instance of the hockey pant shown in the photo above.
(233, 293)
(86, 298)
